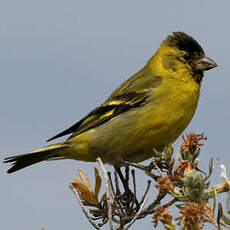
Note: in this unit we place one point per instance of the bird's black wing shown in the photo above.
(111, 108)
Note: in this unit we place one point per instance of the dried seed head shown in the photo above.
(162, 214)
(165, 183)
(185, 166)
(194, 214)
(192, 141)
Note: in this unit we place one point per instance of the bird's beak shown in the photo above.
(205, 63)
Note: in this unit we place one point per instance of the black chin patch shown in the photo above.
(198, 76)
(184, 42)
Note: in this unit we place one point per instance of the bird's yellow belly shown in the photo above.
(157, 132)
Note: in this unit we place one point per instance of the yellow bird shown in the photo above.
(146, 112)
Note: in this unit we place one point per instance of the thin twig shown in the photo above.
(111, 183)
(125, 185)
(135, 165)
(170, 203)
(137, 214)
(214, 200)
(118, 192)
(82, 207)
(127, 174)
(134, 189)
(109, 193)
(151, 208)
(158, 169)
(146, 191)
(225, 225)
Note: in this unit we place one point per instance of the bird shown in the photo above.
(148, 111)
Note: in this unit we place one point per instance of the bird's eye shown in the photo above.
(187, 56)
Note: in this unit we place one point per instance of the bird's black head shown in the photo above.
(188, 51)
(184, 42)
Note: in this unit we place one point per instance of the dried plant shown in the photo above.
(187, 187)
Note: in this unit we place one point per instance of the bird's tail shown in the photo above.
(50, 152)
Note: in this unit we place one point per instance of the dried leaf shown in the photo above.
(210, 166)
(82, 191)
(81, 187)
(103, 198)
(220, 213)
(97, 182)
(85, 180)
(87, 196)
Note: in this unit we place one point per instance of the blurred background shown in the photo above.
(60, 59)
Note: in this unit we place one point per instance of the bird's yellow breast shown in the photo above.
(174, 106)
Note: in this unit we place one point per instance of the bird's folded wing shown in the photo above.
(111, 108)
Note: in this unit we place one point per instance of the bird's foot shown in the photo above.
(122, 178)
(146, 168)
(139, 166)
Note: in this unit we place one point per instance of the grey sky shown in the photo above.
(60, 59)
